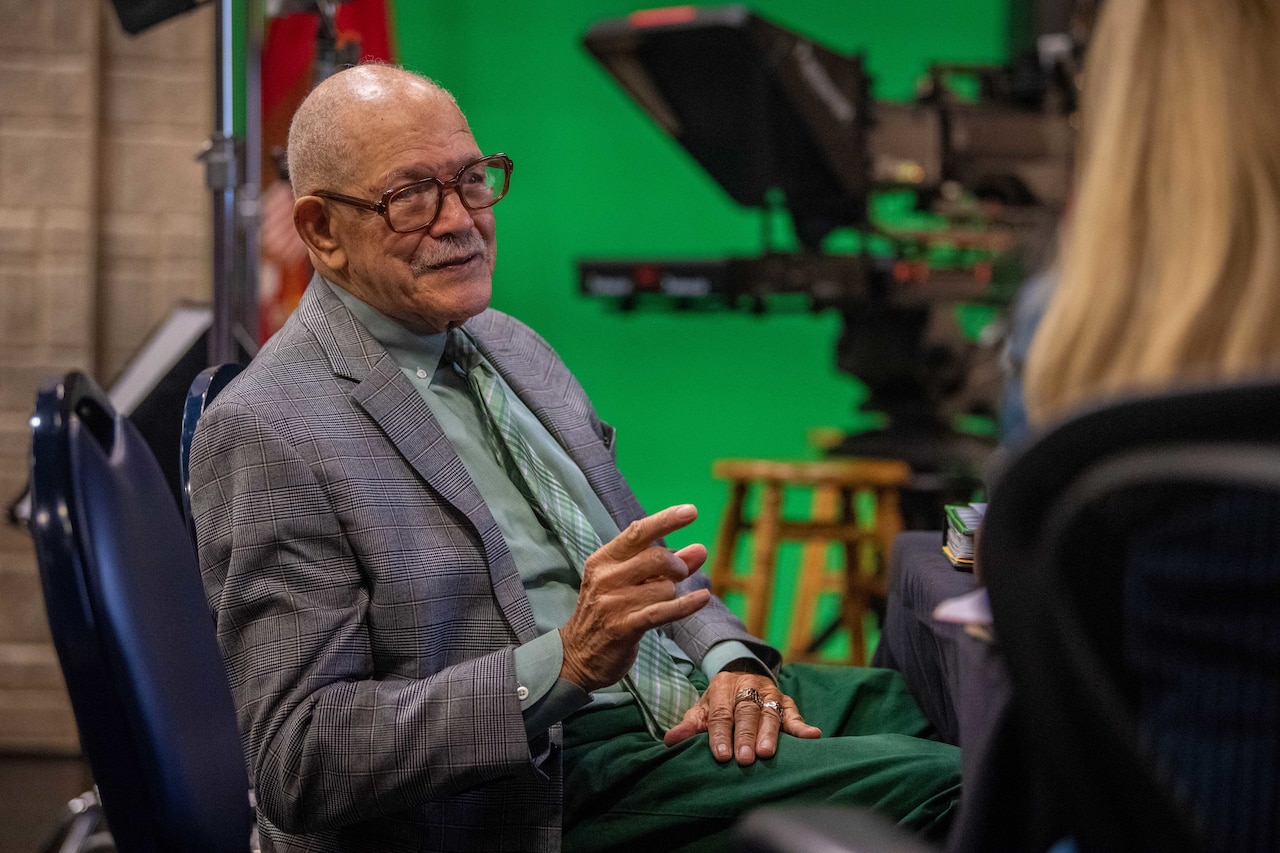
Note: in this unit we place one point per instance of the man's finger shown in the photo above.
(720, 731)
(642, 533)
(663, 612)
(693, 556)
(652, 563)
(746, 725)
(694, 721)
(794, 724)
(770, 723)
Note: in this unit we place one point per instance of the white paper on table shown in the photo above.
(965, 609)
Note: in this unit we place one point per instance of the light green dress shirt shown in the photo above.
(550, 579)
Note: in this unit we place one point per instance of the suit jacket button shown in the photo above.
(522, 693)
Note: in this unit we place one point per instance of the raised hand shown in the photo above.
(628, 587)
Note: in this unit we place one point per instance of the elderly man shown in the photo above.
(448, 623)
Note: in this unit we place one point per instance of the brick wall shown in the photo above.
(104, 226)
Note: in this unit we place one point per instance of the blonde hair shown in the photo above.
(1170, 263)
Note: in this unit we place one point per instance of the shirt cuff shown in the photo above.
(538, 665)
(545, 697)
(561, 700)
(726, 652)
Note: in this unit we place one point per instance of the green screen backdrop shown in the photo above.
(596, 178)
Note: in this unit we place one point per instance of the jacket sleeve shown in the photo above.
(329, 740)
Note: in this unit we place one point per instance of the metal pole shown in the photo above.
(222, 176)
(245, 315)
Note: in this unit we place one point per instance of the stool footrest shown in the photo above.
(819, 531)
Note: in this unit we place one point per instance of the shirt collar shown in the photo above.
(411, 351)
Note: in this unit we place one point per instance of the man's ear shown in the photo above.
(311, 218)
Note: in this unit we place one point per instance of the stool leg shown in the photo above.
(855, 604)
(731, 526)
(760, 583)
(888, 525)
(813, 570)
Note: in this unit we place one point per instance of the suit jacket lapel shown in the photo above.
(399, 410)
(561, 405)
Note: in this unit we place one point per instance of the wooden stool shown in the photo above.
(866, 549)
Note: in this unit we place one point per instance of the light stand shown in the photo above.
(232, 174)
(233, 166)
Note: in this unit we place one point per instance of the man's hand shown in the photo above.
(740, 726)
(629, 587)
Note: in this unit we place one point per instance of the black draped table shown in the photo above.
(960, 681)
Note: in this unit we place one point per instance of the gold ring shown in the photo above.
(775, 707)
(748, 694)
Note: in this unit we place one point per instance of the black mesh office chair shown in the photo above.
(132, 631)
(1132, 556)
(1133, 561)
(207, 385)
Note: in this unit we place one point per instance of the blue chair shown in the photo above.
(132, 631)
(207, 385)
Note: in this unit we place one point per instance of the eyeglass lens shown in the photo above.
(481, 185)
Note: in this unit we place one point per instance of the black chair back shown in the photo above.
(207, 385)
(132, 631)
(1132, 556)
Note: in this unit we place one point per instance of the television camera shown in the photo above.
(785, 124)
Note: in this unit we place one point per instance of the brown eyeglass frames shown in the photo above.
(479, 184)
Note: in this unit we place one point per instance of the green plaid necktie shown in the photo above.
(661, 690)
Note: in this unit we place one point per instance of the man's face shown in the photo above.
(435, 278)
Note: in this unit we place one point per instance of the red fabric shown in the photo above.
(291, 41)
(287, 56)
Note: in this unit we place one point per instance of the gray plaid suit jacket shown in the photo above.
(366, 603)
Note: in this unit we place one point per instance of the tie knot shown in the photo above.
(459, 350)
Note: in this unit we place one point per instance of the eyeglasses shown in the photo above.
(479, 184)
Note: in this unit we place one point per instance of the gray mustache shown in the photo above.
(448, 249)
